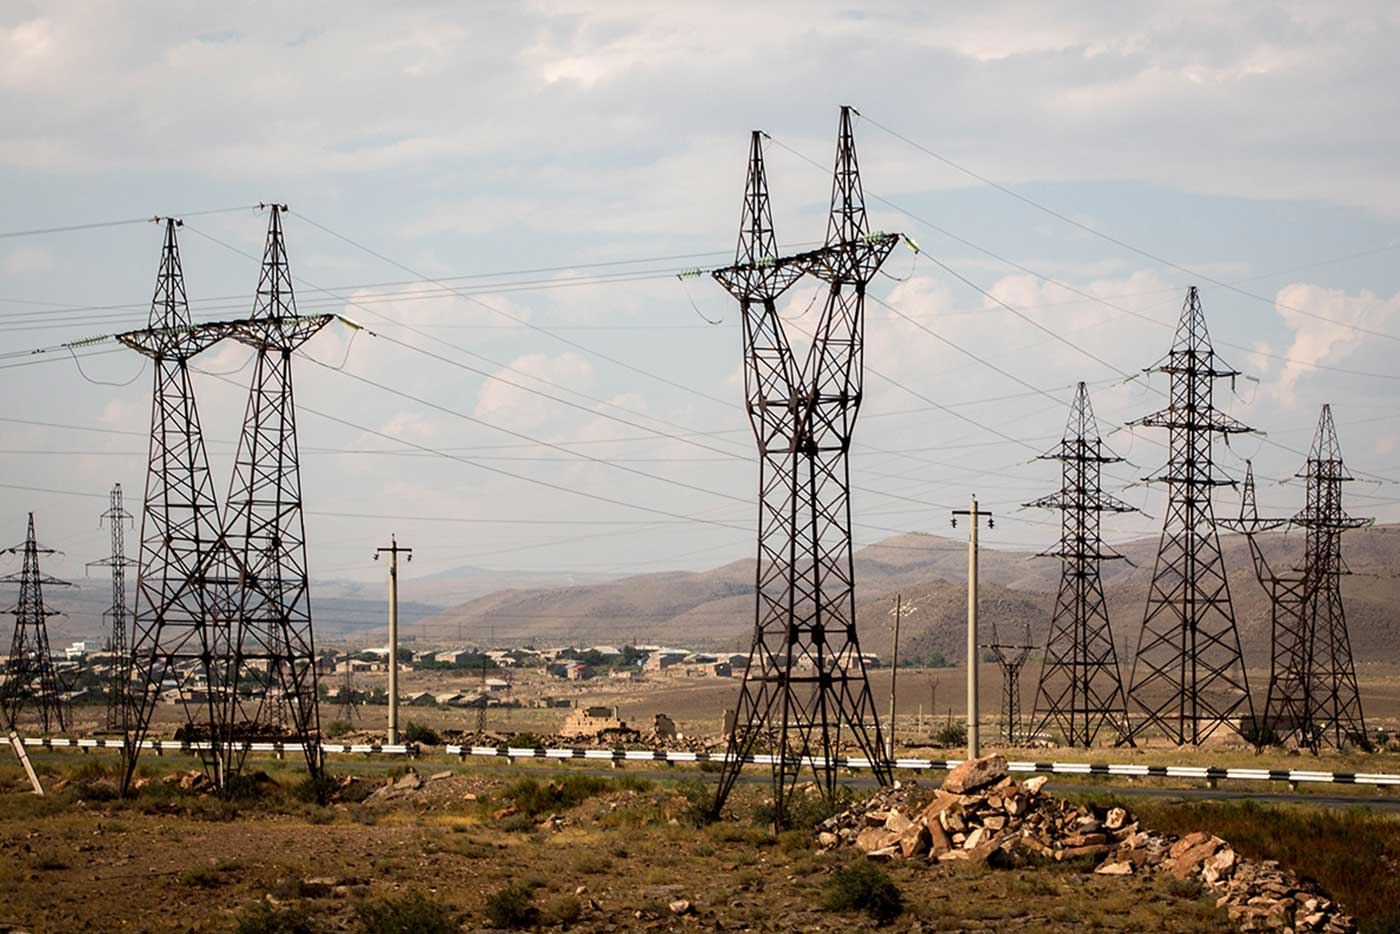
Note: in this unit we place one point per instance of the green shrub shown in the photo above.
(422, 735)
(593, 864)
(264, 918)
(518, 823)
(204, 877)
(532, 797)
(315, 789)
(511, 907)
(699, 802)
(865, 887)
(409, 913)
(562, 911)
(249, 787)
(951, 734)
(523, 741)
(804, 811)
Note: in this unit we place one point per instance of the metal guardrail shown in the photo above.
(1199, 773)
(1127, 770)
(159, 746)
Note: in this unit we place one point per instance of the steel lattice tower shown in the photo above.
(347, 710)
(30, 676)
(1288, 705)
(180, 629)
(1188, 676)
(1010, 659)
(1336, 700)
(1081, 687)
(805, 684)
(119, 682)
(264, 526)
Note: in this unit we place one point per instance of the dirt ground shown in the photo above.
(176, 860)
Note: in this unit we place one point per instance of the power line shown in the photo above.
(36, 231)
(1136, 249)
(523, 322)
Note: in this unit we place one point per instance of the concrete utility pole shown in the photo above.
(894, 666)
(394, 550)
(974, 745)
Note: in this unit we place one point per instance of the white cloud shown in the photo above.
(1324, 326)
(503, 404)
(27, 261)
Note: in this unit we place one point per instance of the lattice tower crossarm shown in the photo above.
(805, 688)
(1080, 689)
(31, 680)
(1188, 677)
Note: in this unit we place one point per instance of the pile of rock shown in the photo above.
(981, 813)
(406, 785)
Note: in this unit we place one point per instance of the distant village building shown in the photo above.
(594, 721)
(356, 665)
(660, 661)
(78, 650)
(578, 671)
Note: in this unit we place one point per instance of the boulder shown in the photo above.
(1115, 869)
(975, 773)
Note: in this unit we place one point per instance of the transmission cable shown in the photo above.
(1135, 249)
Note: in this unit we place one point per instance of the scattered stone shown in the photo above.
(1115, 869)
(680, 907)
(409, 782)
(983, 815)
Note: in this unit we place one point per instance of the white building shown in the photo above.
(81, 649)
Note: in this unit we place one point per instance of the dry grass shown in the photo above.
(1354, 854)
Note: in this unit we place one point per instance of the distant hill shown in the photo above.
(342, 609)
(714, 608)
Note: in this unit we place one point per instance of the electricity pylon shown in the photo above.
(1010, 658)
(181, 630)
(31, 680)
(1081, 688)
(1188, 675)
(805, 686)
(1336, 711)
(347, 710)
(264, 526)
(1288, 703)
(119, 681)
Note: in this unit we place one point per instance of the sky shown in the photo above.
(502, 196)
